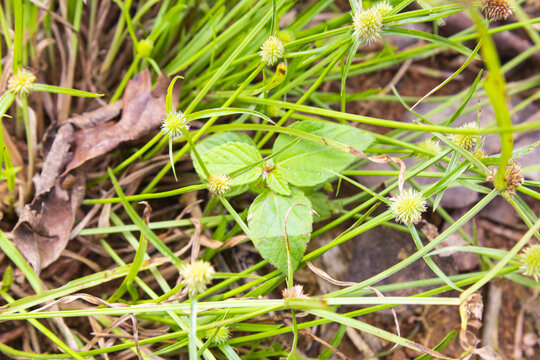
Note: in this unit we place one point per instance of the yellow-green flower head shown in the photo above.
(174, 123)
(219, 184)
(466, 141)
(221, 337)
(145, 47)
(383, 7)
(531, 261)
(367, 24)
(272, 50)
(286, 36)
(21, 82)
(428, 145)
(273, 111)
(408, 206)
(197, 275)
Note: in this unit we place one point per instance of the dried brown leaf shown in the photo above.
(44, 226)
(143, 110)
(42, 231)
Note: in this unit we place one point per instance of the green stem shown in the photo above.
(295, 338)
(28, 131)
(495, 87)
(193, 330)
(236, 217)
(141, 197)
(126, 78)
(195, 152)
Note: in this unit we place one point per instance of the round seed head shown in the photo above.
(428, 145)
(197, 275)
(408, 206)
(367, 24)
(219, 184)
(531, 261)
(466, 141)
(497, 9)
(174, 123)
(21, 82)
(223, 334)
(383, 7)
(272, 50)
(145, 47)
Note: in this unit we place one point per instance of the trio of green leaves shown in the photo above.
(287, 181)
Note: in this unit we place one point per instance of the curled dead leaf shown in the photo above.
(143, 110)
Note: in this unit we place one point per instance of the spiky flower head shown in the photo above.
(530, 258)
(222, 335)
(173, 124)
(367, 24)
(21, 82)
(197, 275)
(272, 50)
(428, 145)
(145, 47)
(219, 184)
(295, 292)
(466, 141)
(497, 9)
(383, 7)
(408, 206)
(514, 178)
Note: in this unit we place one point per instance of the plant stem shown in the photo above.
(193, 330)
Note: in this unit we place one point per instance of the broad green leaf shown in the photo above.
(306, 163)
(229, 157)
(220, 139)
(266, 221)
(216, 140)
(278, 183)
(321, 205)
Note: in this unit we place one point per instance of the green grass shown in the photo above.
(214, 46)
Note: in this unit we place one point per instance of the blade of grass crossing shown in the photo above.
(429, 261)
(376, 331)
(345, 72)
(14, 255)
(133, 270)
(417, 255)
(149, 234)
(46, 332)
